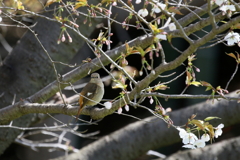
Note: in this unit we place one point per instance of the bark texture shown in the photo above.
(28, 69)
(227, 149)
(137, 138)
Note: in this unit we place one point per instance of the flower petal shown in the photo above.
(108, 105)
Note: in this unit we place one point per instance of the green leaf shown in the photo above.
(232, 55)
(119, 84)
(206, 84)
(210, 118)
(195, 83)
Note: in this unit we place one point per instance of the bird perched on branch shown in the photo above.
(92, 93)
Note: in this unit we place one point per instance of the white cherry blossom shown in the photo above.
(108, 105)
(225, 8)
(199, 143)
(220, 2)
(205, 137)
(218, 131)
(156, 8)
(138, 1)
(143, 12)
(161, 36)
(232, 38)
(172, 27)
(187, 137)
(182, 132)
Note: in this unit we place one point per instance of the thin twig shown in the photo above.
(186, 96)
(233, 75)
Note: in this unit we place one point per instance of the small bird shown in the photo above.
(92, 93)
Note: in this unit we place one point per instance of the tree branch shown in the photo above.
(137, 138)
(227, 149)
(12, 112)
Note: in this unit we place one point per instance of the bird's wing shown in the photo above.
(88, 91)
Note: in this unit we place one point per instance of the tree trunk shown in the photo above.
(28, 69)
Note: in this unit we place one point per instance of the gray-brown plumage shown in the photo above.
(92, 93)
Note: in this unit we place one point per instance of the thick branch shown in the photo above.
(26, 108)
(137, 138)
